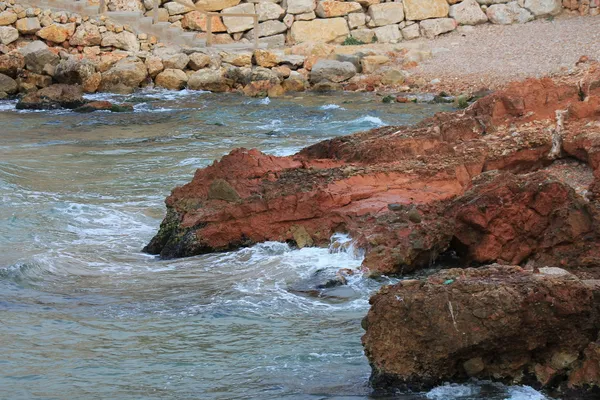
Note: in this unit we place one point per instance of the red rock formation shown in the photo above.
(514, 219)
(395, 188)
(495, 322)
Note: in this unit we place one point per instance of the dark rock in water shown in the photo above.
(496, 322)
(325, 284)
(104, 106)
(442, 98)
(52, 98)
(8, 85)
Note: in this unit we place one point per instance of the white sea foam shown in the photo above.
(7, 105)
(331, 107)
(273, 125)
(370, 120)
(524, 393)
(266, 101)
(452, 391)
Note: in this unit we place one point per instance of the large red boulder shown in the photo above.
(496, 322)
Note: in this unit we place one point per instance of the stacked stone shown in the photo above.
(39, 48)
(296, 21)
(584, 7)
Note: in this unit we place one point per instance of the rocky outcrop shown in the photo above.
(498, 322)
(52, 97)
(532, 218)
(407, 194)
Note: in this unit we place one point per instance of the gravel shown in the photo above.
(490, 56)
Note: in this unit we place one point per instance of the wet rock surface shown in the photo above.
(496, 322)
(407, 194)
(512, 180)
(53, 97)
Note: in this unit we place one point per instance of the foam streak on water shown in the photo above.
(84, 312)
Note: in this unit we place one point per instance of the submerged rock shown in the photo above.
(497, 322)
(104, 106)
(53, 97)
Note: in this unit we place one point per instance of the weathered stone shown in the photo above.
(8, 34)
(124, 40)
(333, 71)
(11, 63)
(509, 13)
(387, 34)
(295, 83)
(468, 12)
(299, 6)
(268, 28)
(28, 26)
(356, 20)
(393, 76)
(319, 30)
(7, 18)
(77, 72)
(259, 74)
(86, 34)
(309, 16)
(211, 80)
(385, 14)
(108, 59)
(104, 106)
(30, 80)
(172, 79)
(177, 8)
(197, 21)
(416, 10)
(125, 76)
(53, 97)
(411, 32)
(241, 59)
(266, 58)
(216, 5)
(175, 61)
(288, 20)
(293, 60)
(431, 28)
(56, 33)
(37, 55)
(272, 42)
(542, 7)
(497, 322)
(334, 8)
(239, 24)
(8, 84)
(199, 61)
(267, 11)
(372, 63)
(364, 35)
(154, 65)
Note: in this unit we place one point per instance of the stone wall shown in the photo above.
(39, 48)
(294, 21)
(584, 7)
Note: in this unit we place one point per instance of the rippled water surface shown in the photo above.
(85, 315)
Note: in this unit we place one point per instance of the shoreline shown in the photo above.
(490, 187)
(102, 56)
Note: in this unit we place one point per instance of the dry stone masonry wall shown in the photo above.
(295, 21)
(39, 48)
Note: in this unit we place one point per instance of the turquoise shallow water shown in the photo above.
(85, 315)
